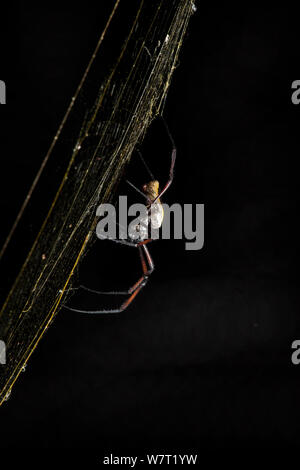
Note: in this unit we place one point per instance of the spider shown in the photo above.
(151, 191)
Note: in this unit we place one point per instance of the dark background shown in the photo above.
(203, 356)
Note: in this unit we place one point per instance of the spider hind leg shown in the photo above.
(148, 268)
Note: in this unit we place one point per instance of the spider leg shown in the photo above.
(173, 159)
(148, 240)
(137, 189)
(134, 290)
(146, 272)
(132, 243)
(145, 164)
(144, 279)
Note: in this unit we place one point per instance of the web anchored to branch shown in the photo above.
(104, 135)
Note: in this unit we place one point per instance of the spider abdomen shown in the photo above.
(156, 215)
(152, 220)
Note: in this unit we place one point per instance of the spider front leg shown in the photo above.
(147, 266)
(173, 159)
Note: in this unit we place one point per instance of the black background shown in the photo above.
(203, 355)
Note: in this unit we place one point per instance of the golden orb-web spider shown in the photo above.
(153, 195)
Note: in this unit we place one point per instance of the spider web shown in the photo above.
(98, 134)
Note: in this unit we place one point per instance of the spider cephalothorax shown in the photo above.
(151, 190)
